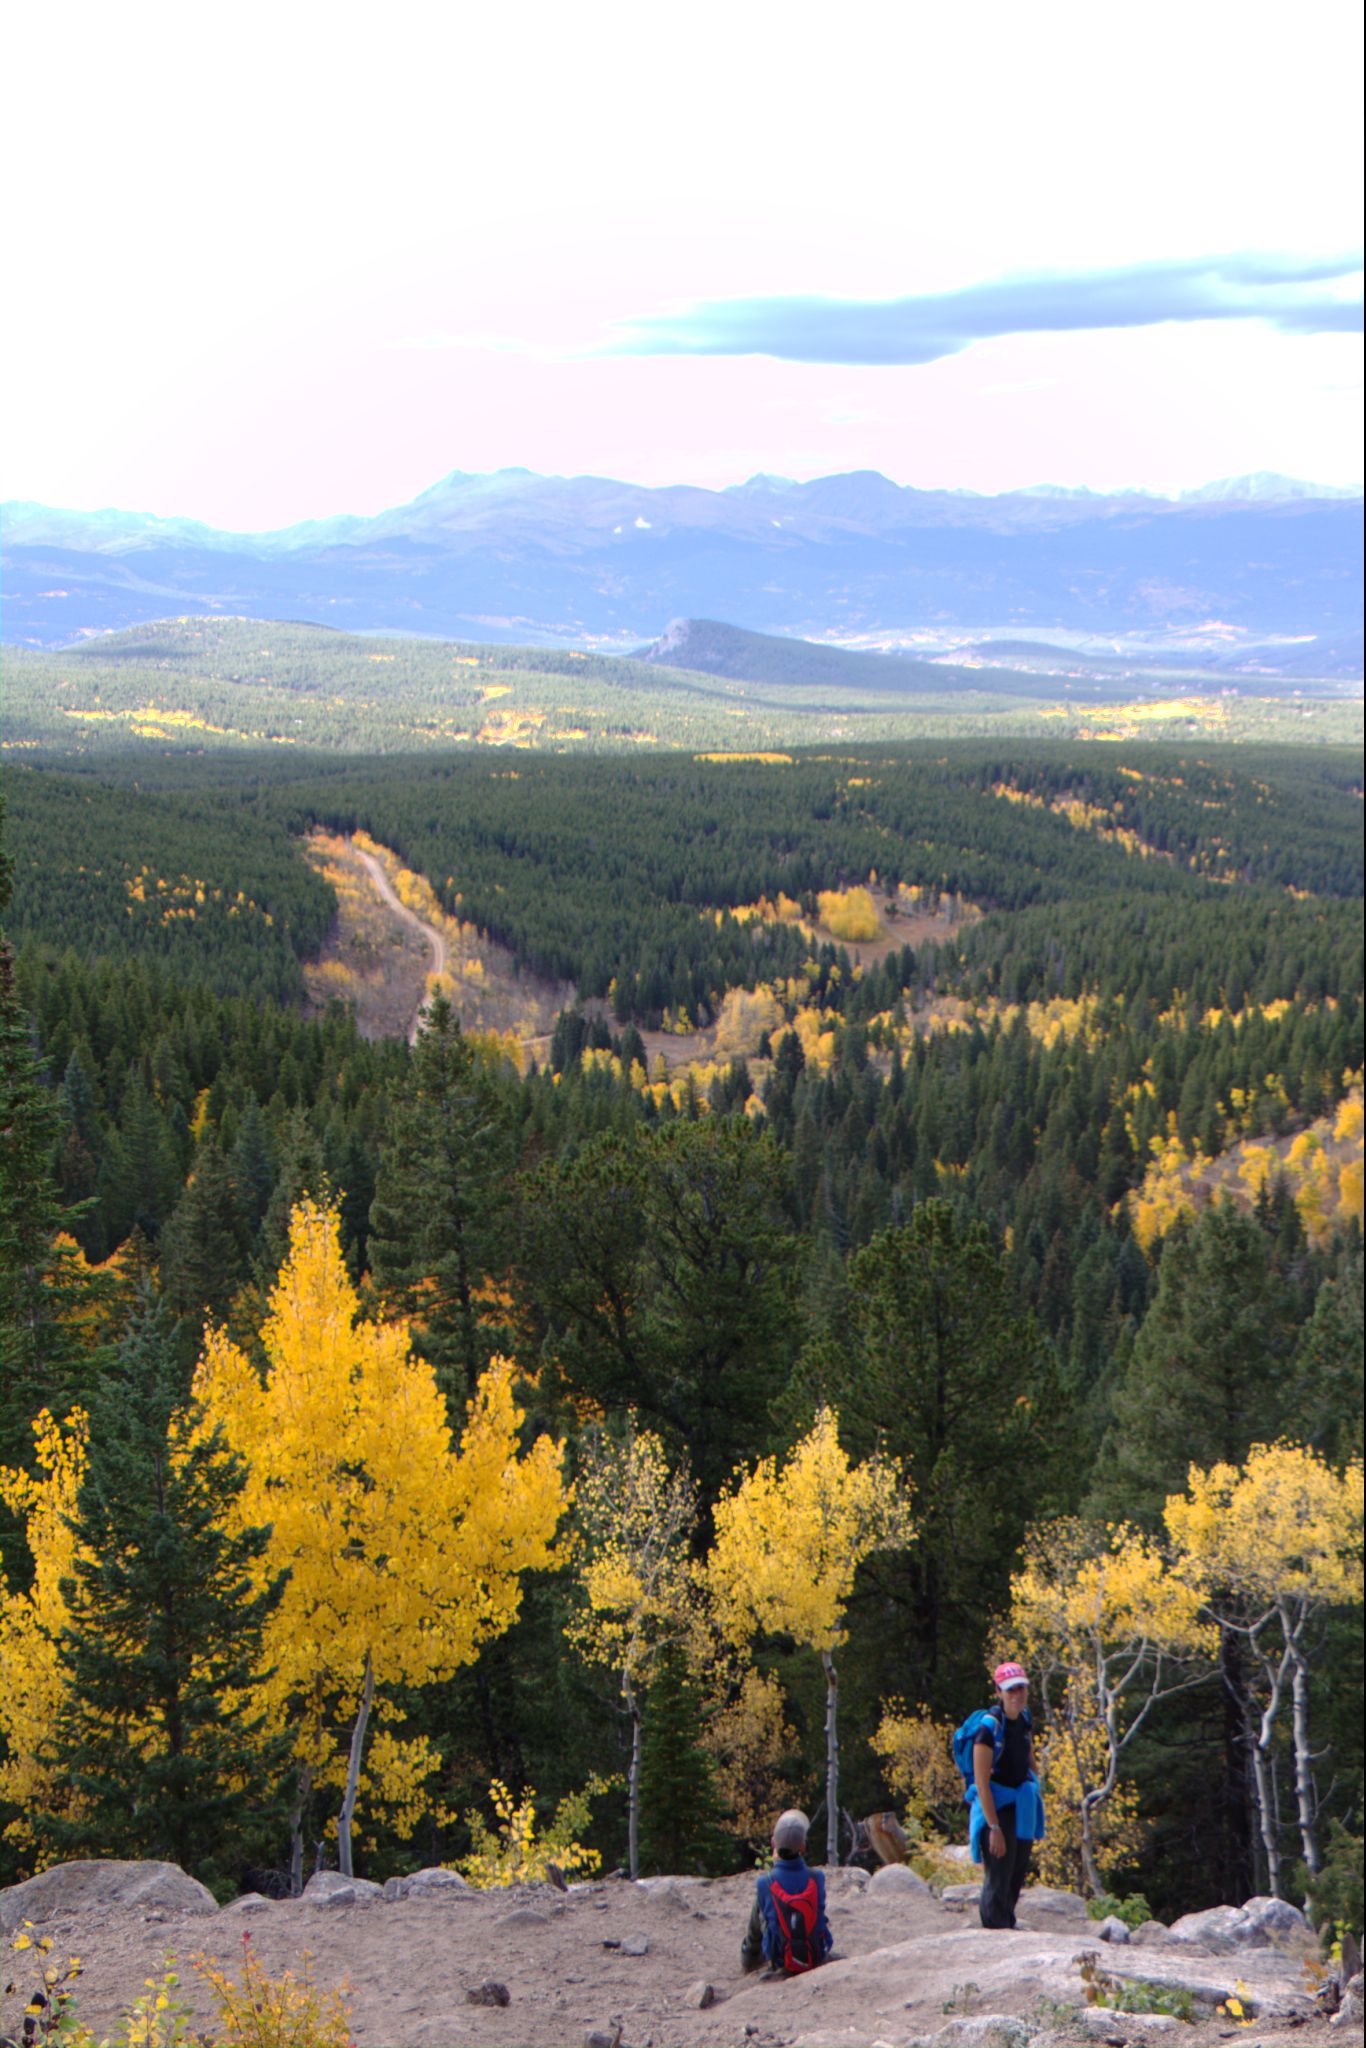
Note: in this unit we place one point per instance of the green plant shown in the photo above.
(1233, 2007)
(1132, 1994)
(49, 2010)
(961, 1997)
(264, 2012)
(1133, 1911)
(1334, 1892)
(516, 1853)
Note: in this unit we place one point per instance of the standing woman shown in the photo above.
(1007, 1811)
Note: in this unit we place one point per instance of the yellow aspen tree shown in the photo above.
(1108, 1629)
(404, 1552)
(31, 1622)
(1269, 1545)
(789, 1541)
(636, 1517)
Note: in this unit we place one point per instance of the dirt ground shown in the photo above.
(908, 1970)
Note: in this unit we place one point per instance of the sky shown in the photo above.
(274, 262)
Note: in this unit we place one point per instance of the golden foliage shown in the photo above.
(31, 1622)
(917, 1760)
(751, 1745)
(637, 1517)
(266, 2012)
(1070, 1757)
(1285, 1526)
(789, 1541)
(849, 914)
(745, 1016)
(514, 1853)
(401, 1549)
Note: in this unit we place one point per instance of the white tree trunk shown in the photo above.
(832, 1763)
(633, 1781)
(367, 1700)
(296, 1832)
(1304, 1763)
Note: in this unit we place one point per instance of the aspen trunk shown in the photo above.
(367, 1700)
(296, 1832)
(832, 1762)
(1266, 1815)
(633, 1782)
(1090, 1872)
(1304, 1764)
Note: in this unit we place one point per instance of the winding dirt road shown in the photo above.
(434, 939)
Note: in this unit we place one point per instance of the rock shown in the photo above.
(1149, 1931)
(490, 1992)
(432, 1883)
(599, 2037)
(93, 1884)
(1046, 1901)
(958, 1896)
(523, 1916)
(329, 1887)
(667, 1892)
(1259, 1923)
(1126, 2026)
(989, 2029)
(1352, 2009)
(701, 1996)
(1112, 1928)
(959, 1852)
(250, 1902)
(635, 1945)
(898, 1880)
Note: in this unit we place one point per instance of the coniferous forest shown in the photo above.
(932, 1230)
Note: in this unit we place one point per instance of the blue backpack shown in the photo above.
(965, 1736)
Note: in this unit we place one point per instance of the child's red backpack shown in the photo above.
(799, 1921)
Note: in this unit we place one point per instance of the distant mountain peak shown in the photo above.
(1264, 487)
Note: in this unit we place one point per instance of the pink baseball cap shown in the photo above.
(1009, 1675)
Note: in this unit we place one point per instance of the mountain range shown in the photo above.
(1229, 573)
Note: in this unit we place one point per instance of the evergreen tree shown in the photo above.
(946, 1370)
(1207, 1377)
(680, 1832)
(435, 1225)
(202, 1248)
(161, 1734)
(1326, 1389)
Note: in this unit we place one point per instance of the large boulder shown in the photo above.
(93, 1885)
(435, 1882)
(330, 1888)
(1050, 1907)
(897, 1880)
(1259, 1923)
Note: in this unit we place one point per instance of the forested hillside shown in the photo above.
(191, 686)
(1000, 1231)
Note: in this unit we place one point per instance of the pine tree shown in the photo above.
(439, 1201)
(162, 1736)
(679, 1807)
(202, 1249)
(1207, 1376)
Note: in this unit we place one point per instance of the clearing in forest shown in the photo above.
(392, 945)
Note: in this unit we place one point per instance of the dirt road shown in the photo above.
(434, 939)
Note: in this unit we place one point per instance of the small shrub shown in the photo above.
(516, 1854)
(49, 2009)
(263, 2012)
(1334, 1893)
(1133, 1912)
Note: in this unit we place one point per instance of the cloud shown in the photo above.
(1294, 296)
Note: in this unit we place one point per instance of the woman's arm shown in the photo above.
(983, 1757)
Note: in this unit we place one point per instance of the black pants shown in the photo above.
(1003, 1876)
